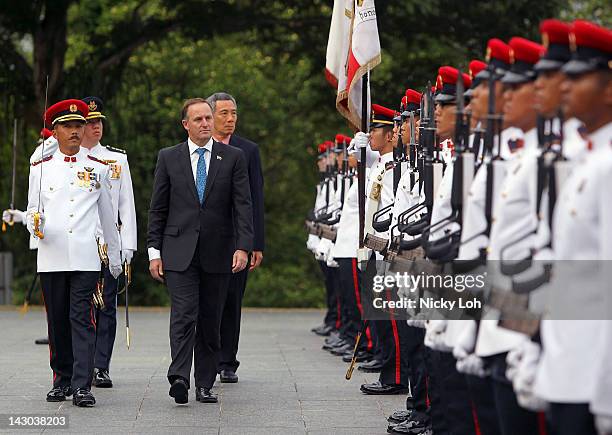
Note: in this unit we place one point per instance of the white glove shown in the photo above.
(528, 355)
(437, 333)
(115, 270)
(418, 321)
(603, 423)
(14, 216)
(312, 242)
(127, 255)
(350, 150)
(472, 365)
(513, 360)
(361, 140)
(30, 223)
(466, 341)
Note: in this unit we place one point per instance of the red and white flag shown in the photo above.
(354, 28)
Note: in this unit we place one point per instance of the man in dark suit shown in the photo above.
(225, 115)
(200, 232)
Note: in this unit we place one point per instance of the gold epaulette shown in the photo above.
(46, 159)
(116, 150)
(95, 159)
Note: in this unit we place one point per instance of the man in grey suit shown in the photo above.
(200, 232)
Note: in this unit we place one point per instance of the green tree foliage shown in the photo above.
(145, 57)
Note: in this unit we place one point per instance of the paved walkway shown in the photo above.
(288, 385)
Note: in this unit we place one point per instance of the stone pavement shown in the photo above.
(288, 385)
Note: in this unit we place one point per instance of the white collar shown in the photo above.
(600, 138)
(193, 147)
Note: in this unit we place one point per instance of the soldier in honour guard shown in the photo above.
(122, 196)
(68, 192)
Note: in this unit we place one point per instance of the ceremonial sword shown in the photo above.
(14, 177)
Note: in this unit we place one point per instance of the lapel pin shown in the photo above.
(219, 158)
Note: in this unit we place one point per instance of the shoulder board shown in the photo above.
(389, 165)
(46, 159)
(95, 159)
(116, 150)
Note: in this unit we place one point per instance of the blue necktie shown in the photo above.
(201, 174)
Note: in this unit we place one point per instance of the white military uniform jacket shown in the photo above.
(514, 215)
(347, 237)
(122, 194)
(474, 220)
(582, 231)
(381, 172)
(73, 195)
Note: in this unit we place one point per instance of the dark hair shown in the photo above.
(190, 102)
(220, 96)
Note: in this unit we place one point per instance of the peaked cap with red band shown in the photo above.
(499, 58)
(411, 102)
(474, 68)
(381, 116)
(555, 38)
(591, 47)
(340, 141)
(448, 76)
(526, 54)
(67, 110)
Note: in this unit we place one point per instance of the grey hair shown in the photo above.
(220, 96)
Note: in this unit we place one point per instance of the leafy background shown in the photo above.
(145, 57)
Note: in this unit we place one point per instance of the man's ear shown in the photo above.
(184, 122)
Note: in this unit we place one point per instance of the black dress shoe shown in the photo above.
(83, 398)
(179, 390)
(333, 337)
(322, 330)
(341, 350)
(380, 389)
(228, 377)
(204, 395)
(400, 415)
(411, 426)
(101, 379)
(59, 394)
(44, 340)
(373, 366)
(361, 356)
(336, 343)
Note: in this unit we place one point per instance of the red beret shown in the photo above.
(554, 32)
(525, 50)
(340, 138)
(475, 67)
(413, 96)
(587, 34)
(46, 133)
(67, 110)
(498, 49)
(448, 76)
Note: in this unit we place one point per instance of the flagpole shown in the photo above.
(362, 163)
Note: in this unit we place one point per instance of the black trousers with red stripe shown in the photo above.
(71, 326)
(352, 309)
(333, 316)
(451, 407)
(513, 419)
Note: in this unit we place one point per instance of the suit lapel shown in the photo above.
(215, 161)
(185, 163)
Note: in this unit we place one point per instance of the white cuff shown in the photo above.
(154, 254)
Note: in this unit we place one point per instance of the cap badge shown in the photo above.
(73, 108)
(92, 105)
(488, 55)
(545, 40)
(572, 42)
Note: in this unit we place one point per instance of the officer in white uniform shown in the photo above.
(68, 192)
(574, 350)
(122, 195)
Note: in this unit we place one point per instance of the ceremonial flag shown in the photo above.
(360, 55)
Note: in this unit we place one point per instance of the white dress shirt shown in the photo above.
(155, 254)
